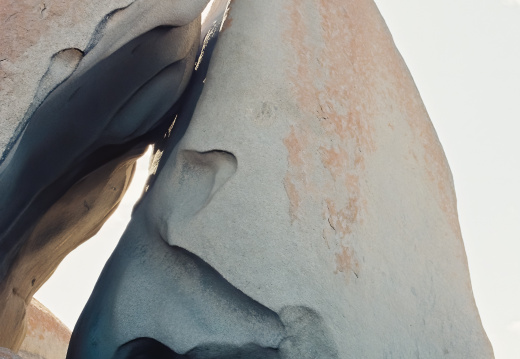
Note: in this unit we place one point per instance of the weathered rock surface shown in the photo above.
(308, 211)
(47, 337)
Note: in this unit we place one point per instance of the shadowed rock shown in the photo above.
(73, 157)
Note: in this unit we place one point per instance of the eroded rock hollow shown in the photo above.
(299, 204)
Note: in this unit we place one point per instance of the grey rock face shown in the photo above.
(307, 211)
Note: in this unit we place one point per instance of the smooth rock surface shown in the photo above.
(311, 188)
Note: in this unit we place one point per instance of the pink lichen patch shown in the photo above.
(346, 76)
(333, 76)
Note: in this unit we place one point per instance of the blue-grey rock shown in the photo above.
(69, 155)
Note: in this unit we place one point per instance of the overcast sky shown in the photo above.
(465, 58)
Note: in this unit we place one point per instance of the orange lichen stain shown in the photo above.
(346, 262)
(294, 198)
(41, 321)
(434, 160)
(345, 74)
(335, 160)
(296, 146)
(342, 220)
(46, 336)
(333, 77)
(438, 172)
(227, 23)
(296, 181)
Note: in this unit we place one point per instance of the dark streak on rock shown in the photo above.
(74, 94)
(10, 16)
(43, 7)
(100, 28)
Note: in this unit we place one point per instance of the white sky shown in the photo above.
(465, 58)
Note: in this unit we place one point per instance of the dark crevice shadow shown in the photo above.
(151, 348)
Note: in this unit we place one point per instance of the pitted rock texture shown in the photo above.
(342, 203)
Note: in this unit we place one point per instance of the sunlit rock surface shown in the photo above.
(308, 211)
(47, 337)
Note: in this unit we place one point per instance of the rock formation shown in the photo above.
(71, 156)
(46, 337)
(300, 203)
